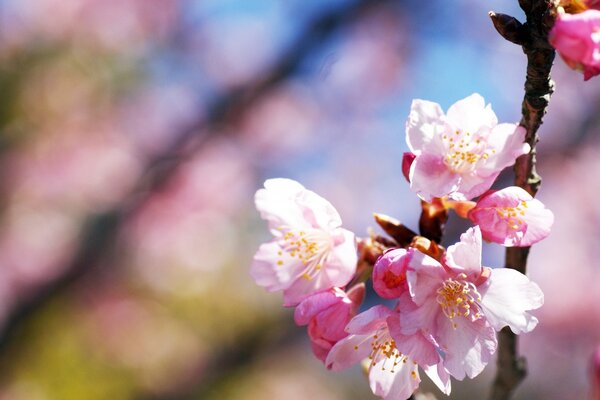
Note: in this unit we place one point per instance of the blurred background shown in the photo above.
(134, 133)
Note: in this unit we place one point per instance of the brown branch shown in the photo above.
(533, 37)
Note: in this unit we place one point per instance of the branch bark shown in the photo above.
(533, 37)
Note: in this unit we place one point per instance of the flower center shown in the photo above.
(512, 215)
(384, 347)
(392, 281)
(459, 298)
(310, 248)
(464, 151)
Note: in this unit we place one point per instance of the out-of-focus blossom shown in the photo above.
(310, 251)
(461, 304)
(511, 217)
(460, 153)
(389, 273)
(577, 39)
(392, 374)
(327, 314)
(595, 364)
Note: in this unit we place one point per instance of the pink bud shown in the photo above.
(327, 314)
(407, 160)
(389, 273)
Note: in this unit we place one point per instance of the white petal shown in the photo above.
(425, 126)
(266, 270)
(430, 177)
(439, 376)
(470, 114)
(469, 347)
(507, 296)
(465, 256)
(396, 385)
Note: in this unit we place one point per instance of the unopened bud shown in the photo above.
(407, 160)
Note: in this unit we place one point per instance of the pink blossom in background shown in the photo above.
(511, 217)
(392, 374)
(327, 314)
(310, 251)
(389, 273)
(595, 372)
(459, 154)
(577, 39)
(461, 304)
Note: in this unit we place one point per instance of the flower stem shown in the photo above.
(511, 368)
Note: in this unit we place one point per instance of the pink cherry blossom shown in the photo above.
(389, 273)
(392, 374)
(459, 154)
(511, 217)
(327, 314)
(577, 39)
(461, 304)
(310, 252)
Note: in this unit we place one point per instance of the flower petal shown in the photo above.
(399, 384)
(349, 351)
(468, 346)
(507, 296)
(424, 126)
(465, 256)
(272, 270)
(430, 177)
(471, 115)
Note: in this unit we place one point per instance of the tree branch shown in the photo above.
(533, 37)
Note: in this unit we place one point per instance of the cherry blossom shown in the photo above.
(389, 273)
(310, 252)
(392, 374)
(577, 39)
(461, 304)
(459, 154)
(511, 217)
(327, 314)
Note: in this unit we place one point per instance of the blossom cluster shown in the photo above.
(446, 307)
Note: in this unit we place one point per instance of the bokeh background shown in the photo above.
(134, 133)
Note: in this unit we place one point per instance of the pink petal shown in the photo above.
(465, 256)
(471, 115)
(424, 127)
(416, 346)
(340, 264)
(369, 321)
(415, 318)
(468, 347)
(315, 304)
(349, 351)
(424, 277)
(430, 177)
(507, 296)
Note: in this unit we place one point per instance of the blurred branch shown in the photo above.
(100, 235)
(533, 37)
